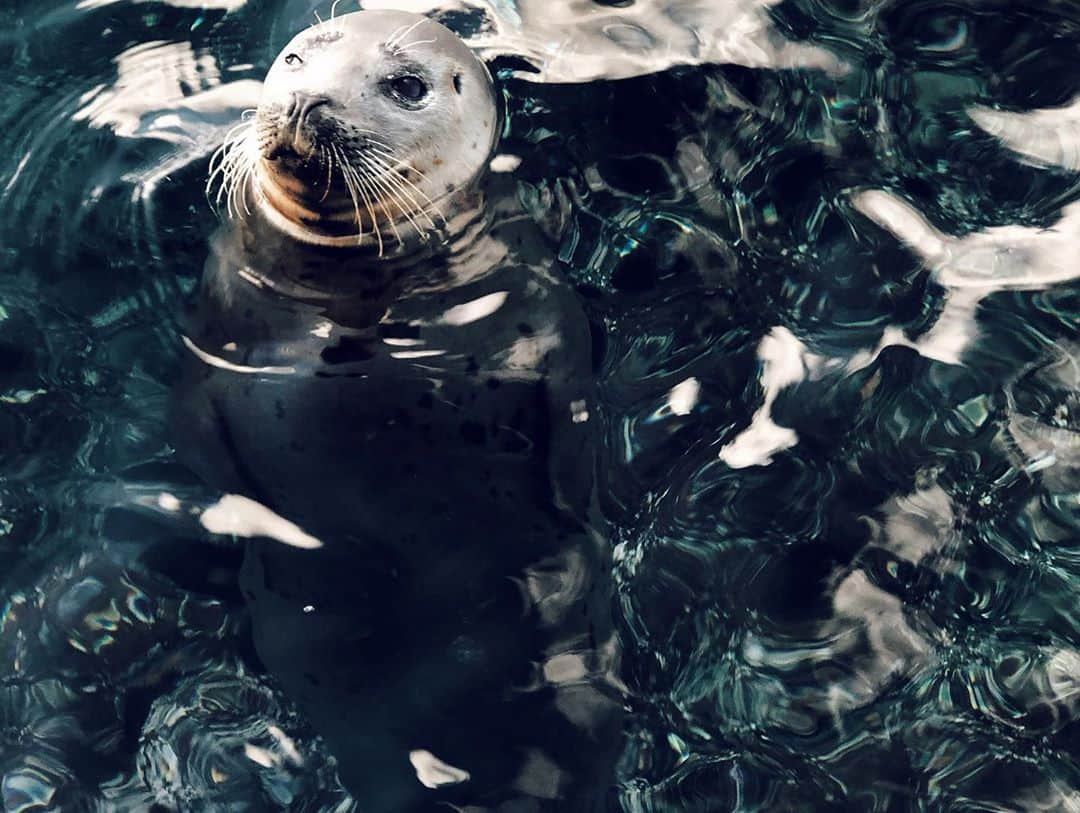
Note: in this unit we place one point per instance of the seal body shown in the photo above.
(382, 353)
(428, 421)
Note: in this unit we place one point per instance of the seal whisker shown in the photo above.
(392, 43)
(408, 187)
(389, 163)
(223, 168)
(233, 201)
(364, 190)
(343, 164)
(376, 180)
(393, 34)
(397, 32)
(353, 178)
(234, 175)
(380, 144)
(231, 177)
(417, 209)
(368, 137)
(400, 195)
(341, 23)
(396, 162)
(216, 203)
(249, 172)
(345, 177)
(430, 203)
(238, 194)
(235, 194)
(367, 203)
(227, 186)
(326, 158)
(375, 186)
(371, 145)
(218, 162)
(247, 156)
(403, 48)
(231, 166)
(215, 168)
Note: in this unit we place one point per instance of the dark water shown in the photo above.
(839, 387)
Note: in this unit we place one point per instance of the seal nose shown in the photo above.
(301, 104)
(296, 134)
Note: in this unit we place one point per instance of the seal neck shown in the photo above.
(266, 245)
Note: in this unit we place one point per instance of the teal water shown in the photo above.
(837, 311)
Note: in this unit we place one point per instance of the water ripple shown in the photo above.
(827, 250)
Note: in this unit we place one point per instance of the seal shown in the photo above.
(383, 352)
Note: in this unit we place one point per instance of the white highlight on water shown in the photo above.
(683, 397)
(579, 411)
(417, 354)
(569, 41)
(505, 162)
(216, 361)
(236, 515)
(433, 772)
(260, 756)
(783, 363)
(1046, 137)
(474, 310)
(972, 267)
(285, 743)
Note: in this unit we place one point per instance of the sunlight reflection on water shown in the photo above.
(830, 250)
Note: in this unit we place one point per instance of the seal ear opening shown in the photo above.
(457, 83)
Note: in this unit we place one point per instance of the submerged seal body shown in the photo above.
(382, 353)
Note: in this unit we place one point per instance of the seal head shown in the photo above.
(373, 128)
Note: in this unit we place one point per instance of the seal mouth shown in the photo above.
(320, 199)
(338, 196)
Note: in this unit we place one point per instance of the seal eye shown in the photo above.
(293, 59)
(409, 88)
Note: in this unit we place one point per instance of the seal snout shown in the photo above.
(296, 131)
(301, 104)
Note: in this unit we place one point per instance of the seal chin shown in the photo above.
(320, 215)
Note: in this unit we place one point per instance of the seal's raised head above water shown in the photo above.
(369, 126)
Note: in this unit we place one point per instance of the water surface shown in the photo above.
(831, 257)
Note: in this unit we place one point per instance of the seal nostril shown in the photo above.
(302, 104)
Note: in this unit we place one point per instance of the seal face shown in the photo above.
(370, 127)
